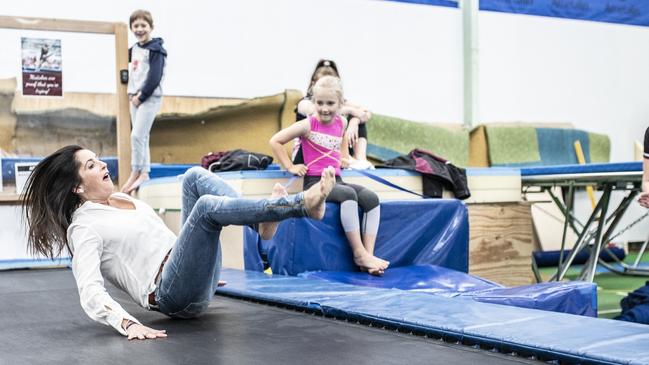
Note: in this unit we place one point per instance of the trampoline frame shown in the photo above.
(599, 227)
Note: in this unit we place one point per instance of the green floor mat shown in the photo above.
(400, 135)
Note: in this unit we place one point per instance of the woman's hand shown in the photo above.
(644, 199)
(352, 132)
(299, 169)
(140, 332)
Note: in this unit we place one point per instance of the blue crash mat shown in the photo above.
(575, 297)
(413, 232)
(548, 335)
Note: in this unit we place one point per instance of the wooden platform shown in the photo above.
(501, 241)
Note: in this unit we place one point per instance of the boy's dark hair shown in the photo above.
(140, 14)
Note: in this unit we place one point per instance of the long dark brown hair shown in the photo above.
(49, 201)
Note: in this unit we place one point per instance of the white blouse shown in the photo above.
(122, 245)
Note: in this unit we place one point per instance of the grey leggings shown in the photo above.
(350, 197)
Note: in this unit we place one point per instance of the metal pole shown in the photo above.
(470, 59)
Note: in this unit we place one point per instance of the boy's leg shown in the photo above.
(134, 154)
(144, 118)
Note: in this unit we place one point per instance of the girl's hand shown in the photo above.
(299, 170)
(644, 199)
(140, 332)
(345, 162)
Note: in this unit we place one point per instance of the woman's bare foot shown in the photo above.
(315, 196)
(144, 176)
(131, 179)
(267, 229)
(371, 264)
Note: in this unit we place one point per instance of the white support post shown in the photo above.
(470, 49)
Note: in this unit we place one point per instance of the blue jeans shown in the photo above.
(190, 275)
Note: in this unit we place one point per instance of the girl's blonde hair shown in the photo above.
(331, 83)
(140, 14)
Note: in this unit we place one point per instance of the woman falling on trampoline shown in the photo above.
(70, 203)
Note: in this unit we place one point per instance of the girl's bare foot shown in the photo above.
(371, 264)
(267, 229)
(144, 176)
(315, 196)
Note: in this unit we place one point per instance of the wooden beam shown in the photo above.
(56, 25)
(10, 198)
(123, 116)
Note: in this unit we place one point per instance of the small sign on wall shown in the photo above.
(41, 67)
(23, 170)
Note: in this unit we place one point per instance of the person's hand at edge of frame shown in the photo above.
(644, 199)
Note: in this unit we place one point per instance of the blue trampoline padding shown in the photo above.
(412, 232)
(582, 169)
(549, 335)
(166, 170)
(574, 297)
(276, 173)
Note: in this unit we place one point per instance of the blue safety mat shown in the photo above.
(574, 297)
(413, 232)
(548, 335)
(582, 169)
(551, 258)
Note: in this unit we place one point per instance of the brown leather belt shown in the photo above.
(152, 301)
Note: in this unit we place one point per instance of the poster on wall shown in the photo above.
(41, 65)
